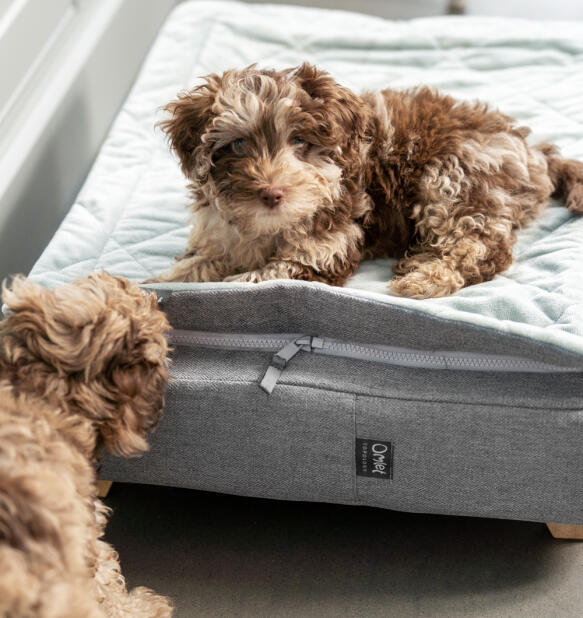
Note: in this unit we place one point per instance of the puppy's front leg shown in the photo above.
(467, 250)
(276, 269)
(285, 269)
(331, 257)
(464, 230)
(192, 268)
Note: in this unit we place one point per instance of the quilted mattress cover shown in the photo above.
(471, 404)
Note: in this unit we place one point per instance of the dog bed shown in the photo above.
(470, 405)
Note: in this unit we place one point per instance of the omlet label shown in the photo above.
(374, 458)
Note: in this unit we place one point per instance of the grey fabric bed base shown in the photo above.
(489, 443)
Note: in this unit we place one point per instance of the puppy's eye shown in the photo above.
(238, 145)
(298, 140)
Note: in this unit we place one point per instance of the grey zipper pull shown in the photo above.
(280, 359)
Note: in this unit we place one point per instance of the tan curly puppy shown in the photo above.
(81, 366)
(294, 176)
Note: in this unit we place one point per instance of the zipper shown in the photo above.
(287, 347)
(280, 360)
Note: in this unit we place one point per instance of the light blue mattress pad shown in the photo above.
(130, 217)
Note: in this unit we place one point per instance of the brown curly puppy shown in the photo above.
(294, 176)
(81, 366)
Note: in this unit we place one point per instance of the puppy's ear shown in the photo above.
(338, 111)
(136, 383)
(126, 397)
(190, 116)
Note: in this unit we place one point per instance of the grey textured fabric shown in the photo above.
(463, 442)
(283, 307)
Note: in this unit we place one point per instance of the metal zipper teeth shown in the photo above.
(375, 353)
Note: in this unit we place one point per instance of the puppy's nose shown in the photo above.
(271, 197)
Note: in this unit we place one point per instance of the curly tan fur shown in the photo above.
(81, 366)
(295, 176)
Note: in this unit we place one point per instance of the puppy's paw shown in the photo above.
(574, 200)
(408, 288)
(253, 276)
(427, 281)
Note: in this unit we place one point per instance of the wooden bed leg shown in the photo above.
(566, 531)
(456, 7)
(103, 488)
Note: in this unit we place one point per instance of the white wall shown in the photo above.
(51, 134)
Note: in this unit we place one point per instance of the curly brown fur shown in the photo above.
(295, 176)
(81, 366)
